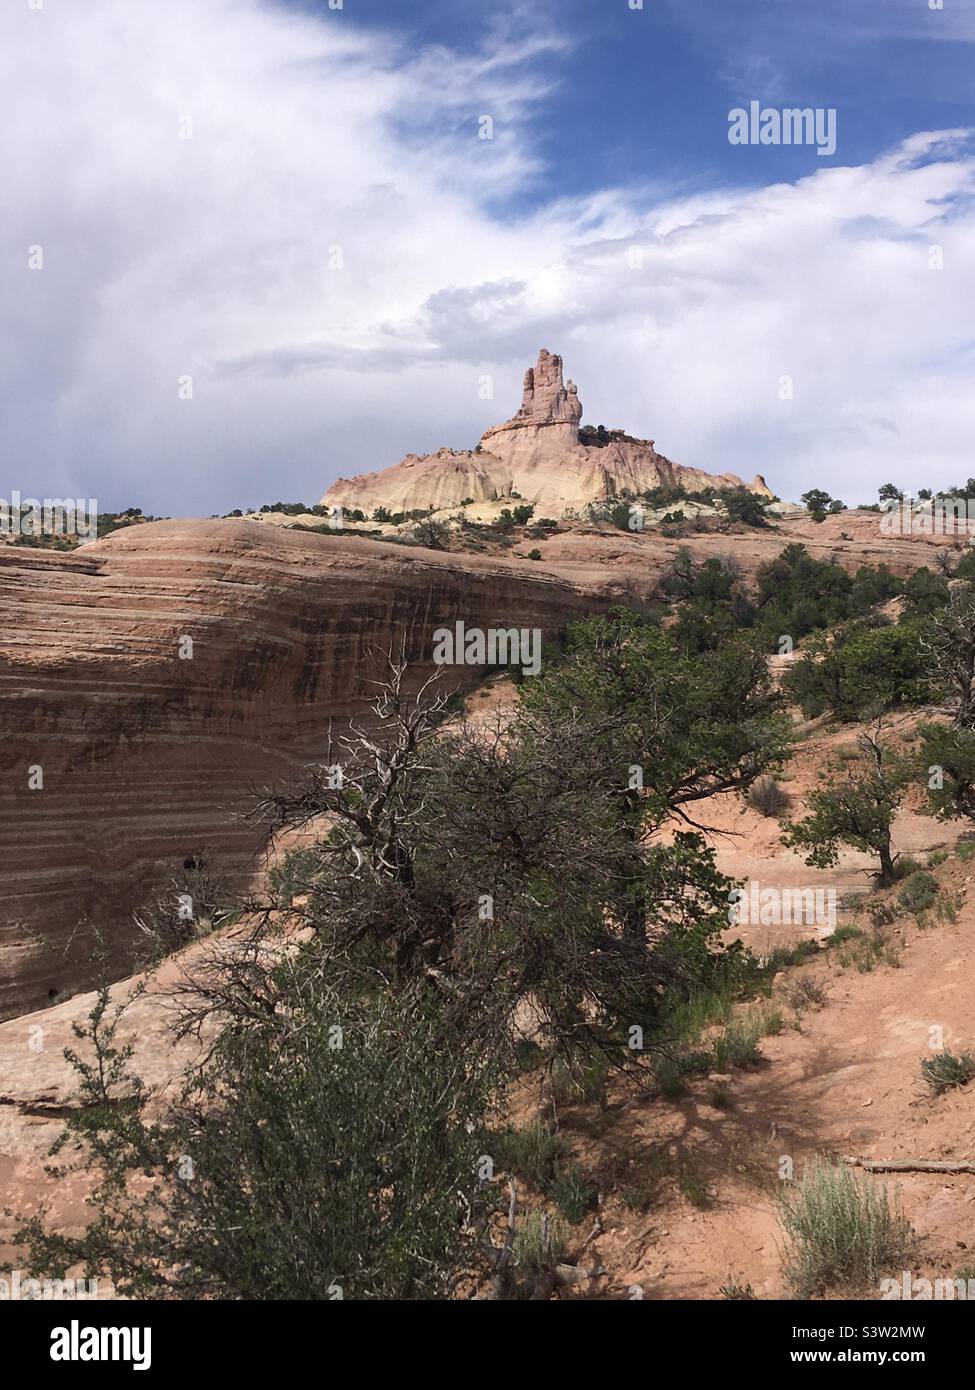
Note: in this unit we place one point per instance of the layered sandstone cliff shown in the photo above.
(538, 454)
(122, 755)
(151, 681)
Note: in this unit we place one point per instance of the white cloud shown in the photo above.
(210, 257)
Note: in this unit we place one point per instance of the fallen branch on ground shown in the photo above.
(912, 1165)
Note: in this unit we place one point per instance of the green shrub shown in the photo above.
(738, 1045)
(945, 1070)
(702, 1009)
(576, 1083)
(736, 1292)
(926, 592)
(919, 892)
(694, 1188)
(867, 953)
(431, 534)
(314, 1164)
(783, 956)
(671, 1072)
(882, 914)
(841, 1232)
(797, 594)
(572, 1194)
(965, 568)
(946, 908)
(768, 1017)
(531, 1152)
(848, 932)
(719, 1095)
(540, 1242)
(744, 506)
(859, 667)
(819, 503)
(670, 1078)
(853, 902)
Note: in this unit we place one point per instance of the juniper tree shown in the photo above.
(946, 767)
(948, 641)
(855, 806)
(508, 863)
(361, 1023)
(327, 1148)
(947, 754)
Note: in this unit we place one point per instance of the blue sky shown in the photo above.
(645, 95)
(289, 208)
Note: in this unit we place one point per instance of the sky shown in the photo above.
(249, 246)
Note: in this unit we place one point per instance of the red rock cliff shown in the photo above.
(147, 759)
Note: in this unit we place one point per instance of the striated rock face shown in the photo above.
(538, 453)
(151, 681)
(125, 753)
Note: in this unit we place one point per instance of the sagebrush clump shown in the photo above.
(946, 1070)
(841, 1232)
(767, 797)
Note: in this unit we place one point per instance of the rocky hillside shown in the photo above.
(123, 758)
(129, 751)
(538, 455)
(687, 1184)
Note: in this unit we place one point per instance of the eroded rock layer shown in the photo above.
(126, 751)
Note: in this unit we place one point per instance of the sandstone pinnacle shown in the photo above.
(539, 454)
